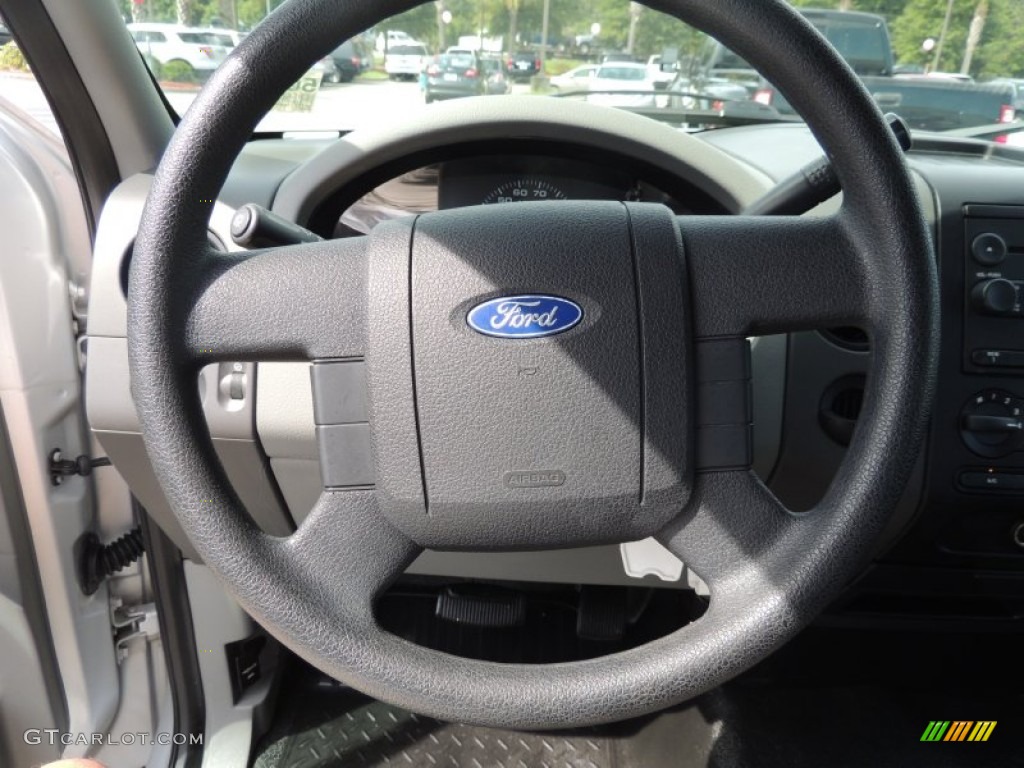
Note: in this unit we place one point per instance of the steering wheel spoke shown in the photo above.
(299, 302)
(754, 276)
(732, 523)
(349, 550)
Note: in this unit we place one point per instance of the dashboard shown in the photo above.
(961, 516)
(498, 179)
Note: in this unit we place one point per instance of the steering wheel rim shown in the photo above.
(770, 571)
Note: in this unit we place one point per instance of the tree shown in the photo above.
(1001, 50)
(185, 12)
(890, 9)
(974, 34)
(512, 6)
(923, 19)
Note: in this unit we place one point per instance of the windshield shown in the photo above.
(941, 72)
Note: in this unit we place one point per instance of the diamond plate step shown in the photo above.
(364, 733)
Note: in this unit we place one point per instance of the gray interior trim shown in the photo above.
(768, 368)
(218, 620)
(185, 683)
(21, 593)
(134, 117)
(109, 404)
(115, 237)
(40, 390)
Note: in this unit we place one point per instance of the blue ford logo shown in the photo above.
(524, 317)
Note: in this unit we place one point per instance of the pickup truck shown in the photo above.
(926, 103)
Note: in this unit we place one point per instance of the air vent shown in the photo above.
(848, 337)
(846, 404)
(840, 406)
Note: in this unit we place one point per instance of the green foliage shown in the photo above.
(12, 59)
(421, 23)
(240, 14)
(555, 67)
(178, 72)
(888, 8)
(922, 19)
(154, 66)
(1000, 51)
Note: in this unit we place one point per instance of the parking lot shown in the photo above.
(346, 106)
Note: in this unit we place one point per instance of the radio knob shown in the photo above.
(994, 297)
(989, 249)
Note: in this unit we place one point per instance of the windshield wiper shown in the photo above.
(985, 132)
(733, 112)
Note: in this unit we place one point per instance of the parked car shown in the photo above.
(328, 70)
(938, 101)
(937, 104)
(660, 75)
(958, 77)
(523, 65)
(496, 82)
(628, 77)
(613, 57)
(394, 37)
(577, 79)
(220, 36)
(704, 93)
(195, 49)
(585, 44)
(405, 61)
(350, 58)
(861, 38)
(452, 76)
(1017, 84)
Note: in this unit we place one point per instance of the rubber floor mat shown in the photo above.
(343, 729)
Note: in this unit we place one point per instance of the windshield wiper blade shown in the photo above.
(615, 91)
(734, 112)
(987, 132)
(710, 117)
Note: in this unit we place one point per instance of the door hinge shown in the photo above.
(132, 622)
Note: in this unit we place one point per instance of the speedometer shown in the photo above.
(524, 190)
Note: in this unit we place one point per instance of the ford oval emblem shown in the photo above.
(524, 317)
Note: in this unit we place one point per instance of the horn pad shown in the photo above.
(543, 415)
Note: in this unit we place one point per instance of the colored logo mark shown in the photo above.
(958, 730)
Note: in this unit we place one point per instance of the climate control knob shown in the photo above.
(992, 423)
(994, 297)
(989, 249)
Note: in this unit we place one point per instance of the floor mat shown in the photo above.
(831, 699)
(370, 733)
(323, 725)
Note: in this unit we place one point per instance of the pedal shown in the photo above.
(476, 606)
(602, 614)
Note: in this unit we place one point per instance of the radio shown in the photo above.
(994, 289)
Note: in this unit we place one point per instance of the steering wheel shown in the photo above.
(623, 429)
